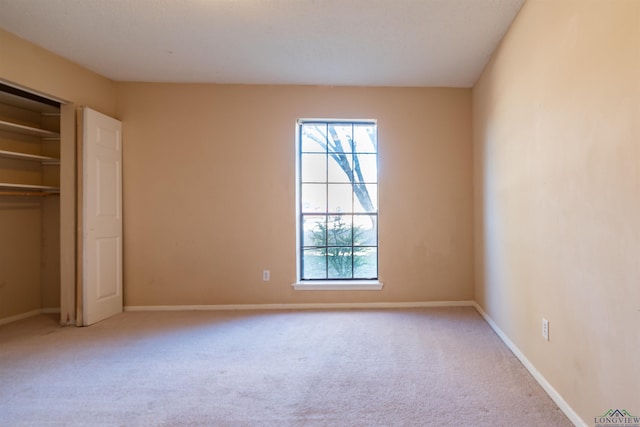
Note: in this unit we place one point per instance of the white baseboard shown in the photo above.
(19, 317)
(28, 314)
(548, 388)
(302, 306)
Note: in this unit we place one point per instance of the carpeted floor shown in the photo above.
(414, 367)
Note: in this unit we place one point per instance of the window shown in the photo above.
(337, 200)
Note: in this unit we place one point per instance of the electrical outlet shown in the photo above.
(266, 275)
(545, 329)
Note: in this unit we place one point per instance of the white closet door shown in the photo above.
(102, 217)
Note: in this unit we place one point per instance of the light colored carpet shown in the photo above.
(417, 367)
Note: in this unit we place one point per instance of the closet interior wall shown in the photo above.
(29, 204)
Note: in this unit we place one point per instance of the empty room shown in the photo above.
(320, 213)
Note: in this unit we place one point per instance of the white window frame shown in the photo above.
(333, 284)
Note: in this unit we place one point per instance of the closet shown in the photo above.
(30, 249)
(60, 209)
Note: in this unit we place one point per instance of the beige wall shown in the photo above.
(556, 119)
(50, 247)
(30, 269)
(209, 194)
(20, 256)
(209, 184)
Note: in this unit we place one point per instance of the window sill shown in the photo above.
(338, 285)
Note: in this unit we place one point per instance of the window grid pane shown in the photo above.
(335, 244)
(338, 216)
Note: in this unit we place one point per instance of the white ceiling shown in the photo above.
(318, 42)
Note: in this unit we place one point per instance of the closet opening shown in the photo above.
(37, 213)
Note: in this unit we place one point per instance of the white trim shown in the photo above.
(297, 186)
(301, 306)
(338, 285)
(303, 121)
(19, 317)
(28, 314)
(548, 388)
(33, 92)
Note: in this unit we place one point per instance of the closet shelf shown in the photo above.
(28, 187)
(27, 130)
(32, 157)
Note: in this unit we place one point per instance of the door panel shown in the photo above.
(102, 217)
